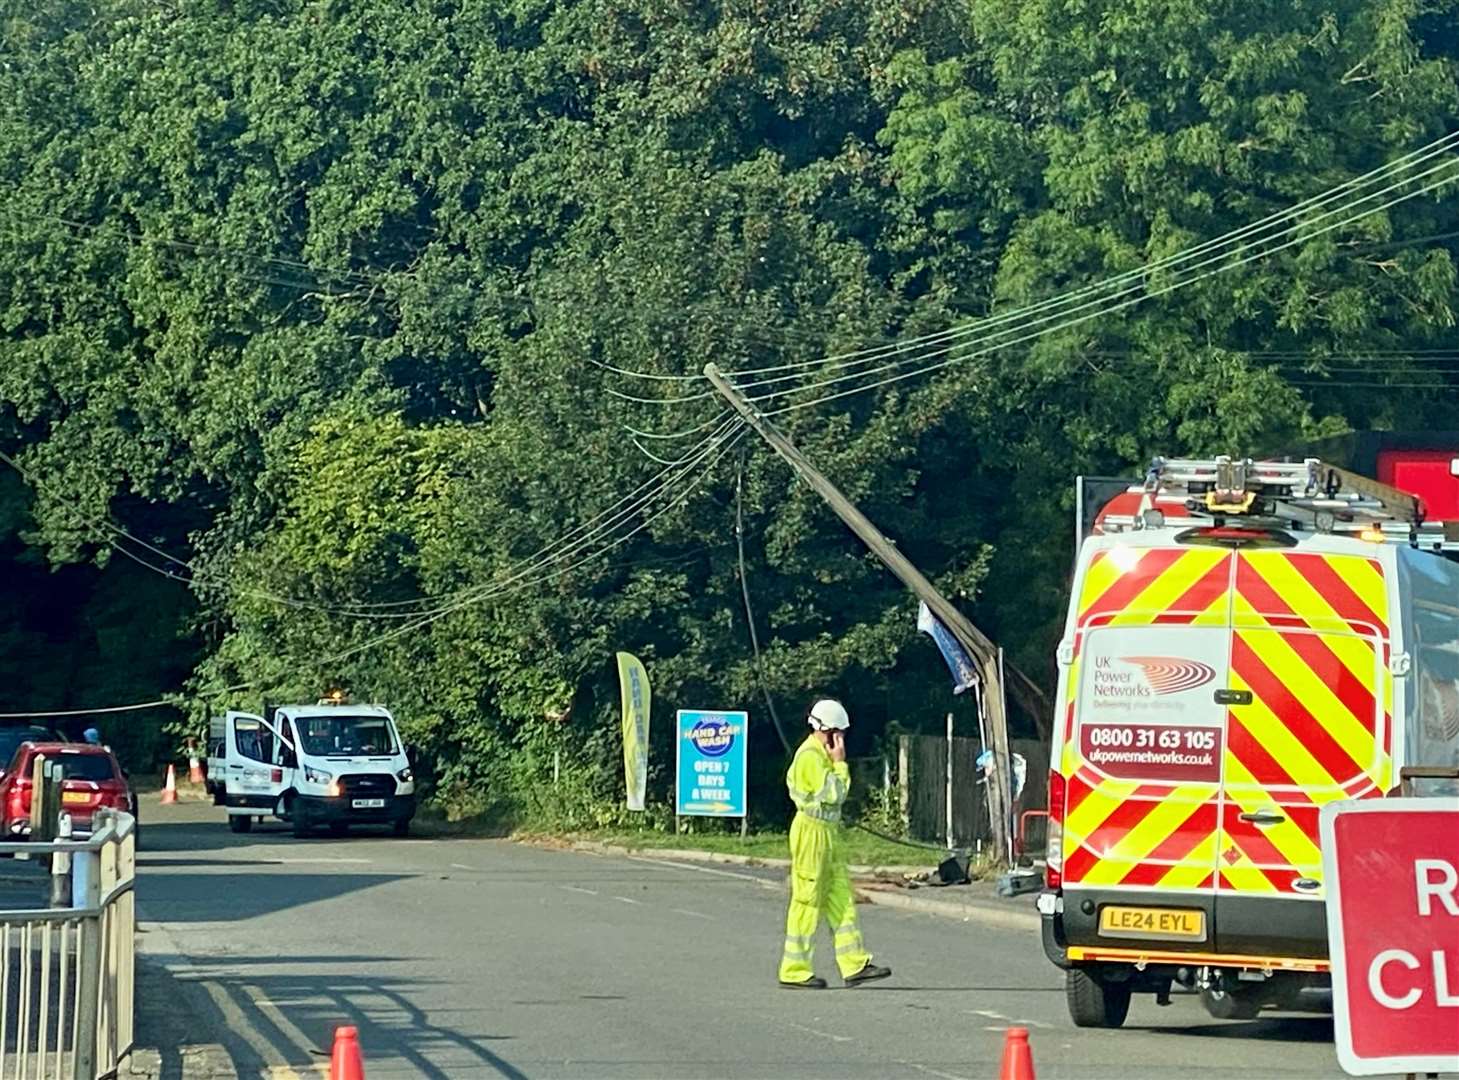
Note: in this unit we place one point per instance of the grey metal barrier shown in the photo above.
(67, 975)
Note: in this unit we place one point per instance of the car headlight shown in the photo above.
(405, 776)
(317, 776)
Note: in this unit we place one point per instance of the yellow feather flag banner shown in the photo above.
(633, 681)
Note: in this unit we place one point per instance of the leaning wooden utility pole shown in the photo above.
(979, 647)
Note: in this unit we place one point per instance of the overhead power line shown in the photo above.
(356, 611)
(519, 581)
(1049, 326)
(1020, 315)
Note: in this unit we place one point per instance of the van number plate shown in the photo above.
(368, 804)
(1181, 924)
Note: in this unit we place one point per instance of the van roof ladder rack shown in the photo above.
(1310, 494)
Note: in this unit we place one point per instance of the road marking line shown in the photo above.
(693, 914)
(990, 1014)
(822, 1034)
(461, 866)
(933, 1072)
(166, 949)
(323, 860)
(286, 1026)
(238, 1021)
(626, 900)
(706, 870)
(574, 888)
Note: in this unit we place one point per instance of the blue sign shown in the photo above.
(712, 759)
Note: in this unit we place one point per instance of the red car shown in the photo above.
(93, 780)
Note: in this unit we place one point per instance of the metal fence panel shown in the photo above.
(67, 975)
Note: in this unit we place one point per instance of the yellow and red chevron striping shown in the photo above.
(1308, 642)
(1178, 846)
(1157, 585)
(1306, 752)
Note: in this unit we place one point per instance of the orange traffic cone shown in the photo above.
(1017, 1057)
(194, 770)
(169, 789)
(346, 1063)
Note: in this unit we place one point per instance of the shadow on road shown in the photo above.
(213, 897)
(224, 1004)
(192, 837)
(1279, 1028)
(884, 989)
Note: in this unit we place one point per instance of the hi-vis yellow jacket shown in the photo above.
(818, 786)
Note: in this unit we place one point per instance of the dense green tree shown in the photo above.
(354, 306)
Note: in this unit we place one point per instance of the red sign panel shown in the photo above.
(1392, 872)
(1127, 750)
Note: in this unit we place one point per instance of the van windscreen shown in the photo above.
(345, 735)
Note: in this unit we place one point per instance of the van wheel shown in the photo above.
(1095, 1003)
(339, 828)
(401, 827)
(302, 828)
(1225, 1004)
(240, 822)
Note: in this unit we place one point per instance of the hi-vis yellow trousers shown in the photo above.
(820, 885)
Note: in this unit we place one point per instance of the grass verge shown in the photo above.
(862, 849)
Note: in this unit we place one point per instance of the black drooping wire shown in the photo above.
(760, 667)
(749, 612)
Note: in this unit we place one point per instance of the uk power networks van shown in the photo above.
(1245, 643)
(330, 765)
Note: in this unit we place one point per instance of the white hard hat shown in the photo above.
(828, 714)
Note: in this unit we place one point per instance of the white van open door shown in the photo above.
(256, 774)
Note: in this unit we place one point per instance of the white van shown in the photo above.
(316, 766)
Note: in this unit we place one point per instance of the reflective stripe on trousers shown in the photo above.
(820, 885)
(830, 817)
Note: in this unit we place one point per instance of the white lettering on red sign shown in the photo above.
(1434, 879)
(1444, 888)
(1392, 870)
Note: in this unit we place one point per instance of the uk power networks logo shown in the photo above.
(713, 738)
(1171, 674)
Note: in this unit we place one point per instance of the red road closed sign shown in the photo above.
(1392, 873)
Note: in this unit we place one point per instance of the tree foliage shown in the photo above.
(325, 298)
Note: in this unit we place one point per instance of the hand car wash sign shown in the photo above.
(712, 763)
(1392, 870)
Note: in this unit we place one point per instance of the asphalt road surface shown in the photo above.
(486, 958)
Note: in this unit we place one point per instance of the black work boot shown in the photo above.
(870, 973)
(813, 983)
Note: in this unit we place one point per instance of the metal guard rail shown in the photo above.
(67, 974)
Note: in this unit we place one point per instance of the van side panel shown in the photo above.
(1429, 728)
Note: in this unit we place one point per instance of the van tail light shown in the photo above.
(1054, 856)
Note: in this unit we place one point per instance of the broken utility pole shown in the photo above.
(979, 647)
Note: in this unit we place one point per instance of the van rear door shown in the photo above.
(1310, 725)
(1142, 754)
(1145, 802)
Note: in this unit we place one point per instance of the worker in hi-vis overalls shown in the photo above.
(820, 883)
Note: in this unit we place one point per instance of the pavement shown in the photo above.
(466, 957)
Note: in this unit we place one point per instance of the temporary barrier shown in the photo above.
(67, 974)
